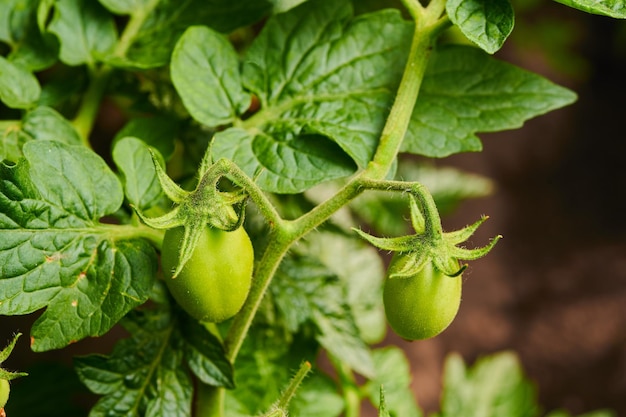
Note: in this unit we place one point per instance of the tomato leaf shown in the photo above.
(85, 30)
(166, 20)
(612, 8)
(394, 374)
(141, 185)
(30, 48)
(493, 386)
(55, 254)
(146, 374)
(465, 91)
(305, 289)
(205, 71)
(487, 23)
(158, 131)
(282, 162)
(19, 89)
(317, 70)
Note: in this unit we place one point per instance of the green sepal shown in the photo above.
(429, 243)
(194, 210)
(4, 354)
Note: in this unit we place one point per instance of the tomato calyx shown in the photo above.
(430, 243)
(6, 376)
(194, 210)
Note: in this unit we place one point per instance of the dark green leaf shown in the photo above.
(316, 69)
(19, 89)
(205, 71)
(283, 164)
(144, 375)
(393, 373)
(85, 29)
(612, 8)
(141, 185)
(168, 19)
(29, 47)
(597, 413)
(487, 23)
(55, 254)
(466, 91)
(158, 131)
(205, 356)
(494, 386)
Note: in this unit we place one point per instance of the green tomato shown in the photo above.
(422, 305)
(214, 283)
(4, 392)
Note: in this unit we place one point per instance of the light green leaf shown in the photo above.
(205, 72)
(12, 140)
(393, 373)
(283, 164)
(317, 396)
(167, 19)
(487, 23)
(126, 6)
(494, 386)
(85, 29)
(141, 185)
(55, 254)
(612, 8)
(466, 91)
(19, 89)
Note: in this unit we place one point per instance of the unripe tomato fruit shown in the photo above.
(214, 283)
(4, 392)
(422, 305)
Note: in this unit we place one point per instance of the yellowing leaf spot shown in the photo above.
(74, 303)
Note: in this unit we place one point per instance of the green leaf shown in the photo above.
(144, 375)
(41, 123)
(494, 386)
(141, 185)
(393, 373)
(19, 89)
(205, 72)
(29, 47)
(487, 23)
(317, 70)
(55, 254)
(305, 289)
(45, 123)
(85, 29)
(317, 396)
(466, 91)
(166, 20)
(158, 132)
(205, 355)
(612, 8)
(126, 6)
(283, 164)
(361, 270)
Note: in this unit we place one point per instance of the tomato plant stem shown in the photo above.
(86, 116)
